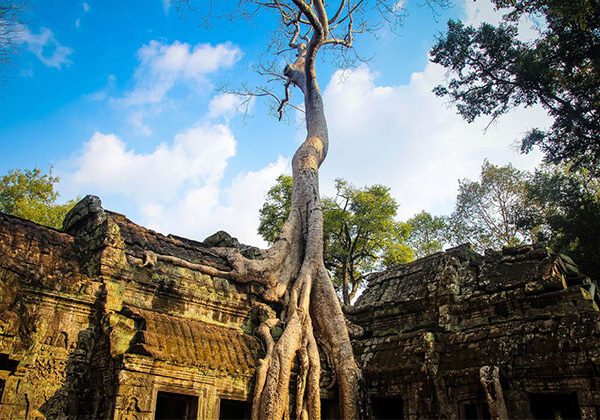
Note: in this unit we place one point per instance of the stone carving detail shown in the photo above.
(92, 316)
(131, 410)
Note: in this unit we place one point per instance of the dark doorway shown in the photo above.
(554, 406)
(7, 368)
(234, 409)
(6, 363)
(387, 408)
(176, 406)
(329, 409)
(476, 410)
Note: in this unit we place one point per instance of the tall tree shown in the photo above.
(488, 211)
(494, 71)
(359, 231)
(293, 270)
(30, 194)
(563, 209)
(427, 233)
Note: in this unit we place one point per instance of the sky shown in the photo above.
(127, 101)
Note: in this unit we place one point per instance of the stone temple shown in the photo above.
(107, 319)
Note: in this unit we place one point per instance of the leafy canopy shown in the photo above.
(488, 211)
(427, 233)
(360, 233)
(563, 208)
(494, 71)
(276, 208)
(555, 205)
(30, 194)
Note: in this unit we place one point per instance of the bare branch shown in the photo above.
(338, 12)
(310, 14)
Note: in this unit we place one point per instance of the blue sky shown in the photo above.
(122, 99)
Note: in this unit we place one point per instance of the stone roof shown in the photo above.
(495, 271)
(436, 307)
(88, 215)
(191, 342)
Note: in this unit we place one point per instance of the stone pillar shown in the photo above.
(208, 404)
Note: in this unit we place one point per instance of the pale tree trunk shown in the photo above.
(490, 380)
(313, 309)
(293, 273)
(345, 285)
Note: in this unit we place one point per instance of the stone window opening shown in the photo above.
(234, 410)
(173, 406)
(388, 408)
(554, 406)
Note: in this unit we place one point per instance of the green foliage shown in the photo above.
(488, 211)
(30, 194)
(564, 210)
(495, 72)
(427, 234)
(361, 235)
(276, 208)
(360, 232)
(557, 205)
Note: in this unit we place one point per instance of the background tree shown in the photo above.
(276, 208)
(427, 233)
(30, 194)
(488, 211)
(563, 208)
(361, 235)
(10, 28)
(360, 232)
(495, 72)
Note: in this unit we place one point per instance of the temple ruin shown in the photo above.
(108, 319)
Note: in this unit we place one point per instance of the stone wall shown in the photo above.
(98, 319)
(105, 318)
(430, 326)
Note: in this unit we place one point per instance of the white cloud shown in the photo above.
(166, 6)
(177, 187)
(481, 11)
(136, 119)
(86, 7)
(204, 210)
(407, 138)
(398, 6)
(197, 156)
(77, 23)
(161, 66)
(46, 47)
(104, 93)
(228, 104)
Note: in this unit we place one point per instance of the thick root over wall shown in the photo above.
(294, 274)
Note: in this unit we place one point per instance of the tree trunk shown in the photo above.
(490, 380)
(345, 285)
(293, 272)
